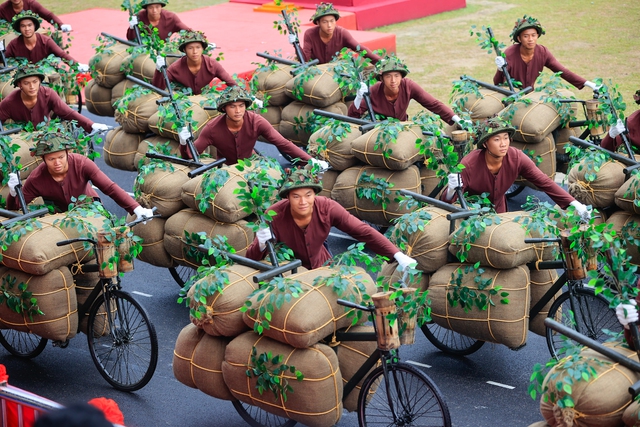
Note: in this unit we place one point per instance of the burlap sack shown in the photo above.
(144, 67)
(599, 402)
(272, 82)
(118, 90)
(600, 192)
(627, 227)
(334, 145)
(427, 246)
(535, 120)
(162, 188)
(223, 316)
(391, 276)
(188, 339)
(239, 236)
(328, 181)
(321, 90)
(502, 245)
(541, 281)
(56, 298)
(503, 323)
(629, 194)
(315, 314)
(344, 192)
(98, 99)
(6, 87)
(631, 415)
(35, 252)
(137, 117)
(316, 401)
(120, 149)
(543, 155)
(23, 154)
(153, 250)
(429, 180)
(162, 126)
(85, 283)
(106, 66)
(484, 107)
(159, 143)
(225, 206)
(274, 117)
(296, 116)
(372, 149)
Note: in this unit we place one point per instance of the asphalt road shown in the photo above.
(487, 388)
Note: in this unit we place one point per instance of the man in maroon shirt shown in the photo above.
(63, 176)
(323, 41)
(153, 15)
(613, 140)
(494, 167)
(234, 133)
(390, 97)
(194, 70)
(11, 8)
(526, 58)
(33, 102)
(303, 222)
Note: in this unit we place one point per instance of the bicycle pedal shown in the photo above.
(61, 344)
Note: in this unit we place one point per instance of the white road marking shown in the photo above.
(418, 364)
(509, 387)
(142, 294)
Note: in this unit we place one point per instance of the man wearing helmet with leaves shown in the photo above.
(390, 97)
(526, 58)
(234, 133)
(195, 70)
(63, 176)
(11, 8)
(33, 102)
(303, 221)
(323, 41)
(153, 15)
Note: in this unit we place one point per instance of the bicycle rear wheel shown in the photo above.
(406, 397)
(586, 313)
(258, 417)
(122, 341)
(22, 344)
(181, 274)
(449, 341)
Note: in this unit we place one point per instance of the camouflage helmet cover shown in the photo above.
(187, 37)
(52, 143)
(233, 94)
(27, 71)
(301, 178)
(391, 63)
(493, 126)
(524, 23)
(26, 14)
(145, 3)
(324, 9)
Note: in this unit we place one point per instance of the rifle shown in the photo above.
(120, 40)
(296, 44)
(494, 42)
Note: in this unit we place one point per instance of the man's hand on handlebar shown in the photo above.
(627, 313)
(143, 214)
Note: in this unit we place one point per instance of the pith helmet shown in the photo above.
(27, 71)
(391, 63)
(52, 143)
(25, 14)
(145, 3)
(524, 23)
(301, 178)
(324, 9)
(233, 94)
(492, 127)
(193, 37)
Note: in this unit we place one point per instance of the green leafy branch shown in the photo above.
(472, 228)
(374, 189)
(149, 168)
(407, 225)
(467, 297)
(388, 132)
(269, 372)
(18, 298)
(272, 296)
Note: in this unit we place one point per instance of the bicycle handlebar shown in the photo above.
(79, 239)
(542, 240)
(461, 215)
(356, 306)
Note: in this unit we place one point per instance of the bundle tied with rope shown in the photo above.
(398, 152)
(272, 82)
(120, 149)
(628, 195)
(333, 147)
(598, 190)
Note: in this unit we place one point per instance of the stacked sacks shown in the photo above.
(481, 105)
(595, 183)
(271, 80)
(106, 72)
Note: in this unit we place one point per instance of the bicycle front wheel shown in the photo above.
(122, 341)
(258, 417)
(449, 341)
(22, 344)
(586, 313)
(181, 274)
(405, 397)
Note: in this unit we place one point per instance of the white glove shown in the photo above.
(133, 21)
(83, 68)
(455, 181)
(500, 62)
(263, 235)
(617, 129)
(99, 127)
(66, 28)
(592, 85)
(404, 261)
(160, 62)
(212, 46)
(631, 313)
(582, 210)
(258, 103)
(360, 94)
(292, 38)
(13, 182)
(464, 124)
(143, 212)
(320, 163)
(184, 135)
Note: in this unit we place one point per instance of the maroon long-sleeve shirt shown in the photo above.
(44, 47)
(633, 126)
(528, 73)
(308, 244)
(477, 179)
(169, 23)
(398, 109)
(179, 72)
(315, 48)
(233, 147)
(81, 174)
(7, 13)
(12, 107)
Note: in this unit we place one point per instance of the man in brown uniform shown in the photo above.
(526, 58)
(194, 70)
(303, 222)
(11, 8)
(153, 15)
(33, 102)
(326, 39)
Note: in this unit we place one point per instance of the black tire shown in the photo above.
(22, 344)
(514, 190)
(415, 398)
(586, 313)
(181, 274)
(122, 341)
(258, 417)
(449, 341)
